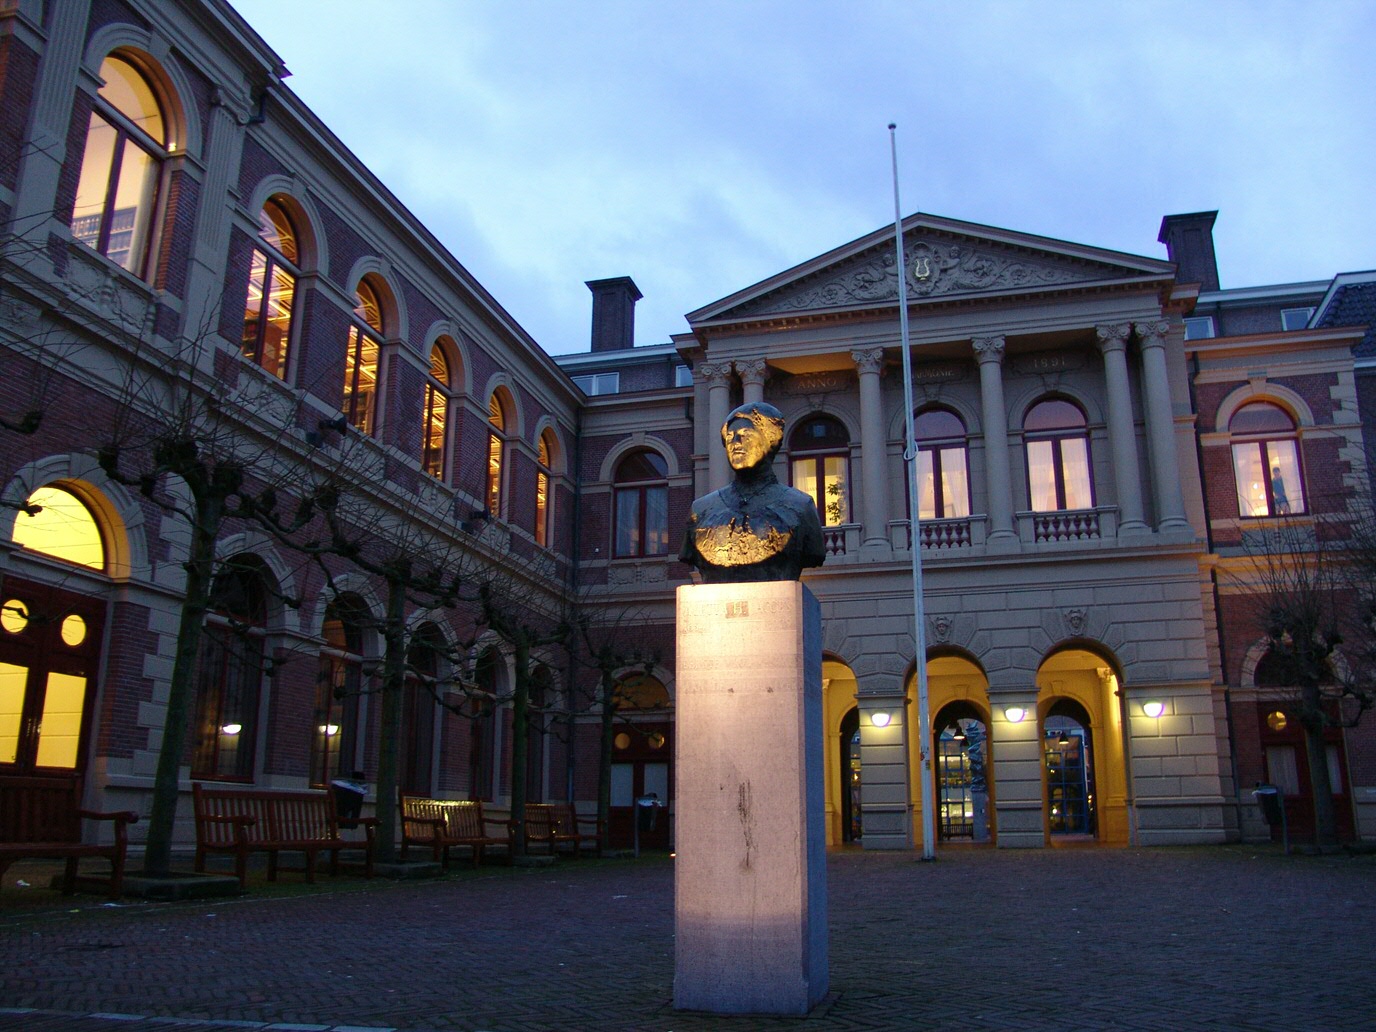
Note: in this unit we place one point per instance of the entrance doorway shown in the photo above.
(852, 823)
(962, 782)
(49, 653)
(640, 771)
(1067, 751)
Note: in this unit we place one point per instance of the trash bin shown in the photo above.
(647, 809)
(348, 799)
(1272, 806)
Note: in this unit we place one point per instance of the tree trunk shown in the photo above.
(181, 690)
(389, 734)
(1316, 752)
(604, 758)
(520, 727)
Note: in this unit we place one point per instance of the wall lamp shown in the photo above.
(1015, 714)
(231, 729)
(1153, 709)
(881, 718)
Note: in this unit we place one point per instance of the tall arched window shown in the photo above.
(360, 363)
(436, 414)
(1058, 469)
(496, 454)
(230, 675)
(642, 505)
(126, 142)
(943, 467)
(819, 453)
(338, 691)
(1266, 461)
(544, 461)
(271, 291)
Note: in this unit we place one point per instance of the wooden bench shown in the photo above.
(442, 824)
(558, 824)
(40, 818)
(243, 821)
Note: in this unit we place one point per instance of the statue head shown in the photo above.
(752, 435)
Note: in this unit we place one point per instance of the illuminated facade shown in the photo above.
(181, 230)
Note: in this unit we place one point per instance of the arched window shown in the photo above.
(544, 461)
(1266, 461)
(642, 505)
(496, 454)
(57, 523)
(360, 363)
(1058, 470)
(641, 692)
(482, 713)
(271, 291)
(338, 691)
(943, 467)
(230, 675)
(126, 142)
(436, 414)
(819, 452)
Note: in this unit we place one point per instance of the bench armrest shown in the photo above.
(122, 816)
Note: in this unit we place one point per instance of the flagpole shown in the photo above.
(924, 723)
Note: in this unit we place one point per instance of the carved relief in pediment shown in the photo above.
(934, 268)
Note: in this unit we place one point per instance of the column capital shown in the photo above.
(870, 360)
(753, 370)
(714, 374)
(1113, 336)
(988, 349)
(1152, 334)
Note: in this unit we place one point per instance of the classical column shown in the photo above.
(874, 481)
(1170, 500)
(753, 374)
(718, 377)
(1122, 436)
(998, 479)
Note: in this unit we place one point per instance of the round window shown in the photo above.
(1276, 720)
(14, 617)
(73, 630)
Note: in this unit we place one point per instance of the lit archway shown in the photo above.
(844, 819)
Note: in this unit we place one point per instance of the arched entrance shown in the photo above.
(1084, 770)
(641, 763)
(960, 752)
(841, 720)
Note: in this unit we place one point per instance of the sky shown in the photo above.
(700, 146)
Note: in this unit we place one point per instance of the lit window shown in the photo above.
(1199, 327)
(1266, 462)
(230, 676)
(943, 478)
(56, 523)
(544, 462)
(599, 383)
(642, 505)
(126, 141)
(819, 453)
(1295, 318)
(1058, 470)
(436, 415)
(271, 291)
(360, 363)
(496, 454)
(339, 687)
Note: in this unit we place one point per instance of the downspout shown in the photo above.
(576, 549)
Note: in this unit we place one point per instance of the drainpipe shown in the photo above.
(575, 547)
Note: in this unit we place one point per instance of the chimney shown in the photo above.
(613, 313)
(1189, 241)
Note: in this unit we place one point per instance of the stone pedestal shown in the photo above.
(750, 908)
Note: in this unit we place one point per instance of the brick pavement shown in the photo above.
(1226, 938)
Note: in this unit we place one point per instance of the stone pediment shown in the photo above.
(940, 264)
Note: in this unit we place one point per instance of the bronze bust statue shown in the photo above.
(755, 528)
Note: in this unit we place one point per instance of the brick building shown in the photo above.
(187, 246)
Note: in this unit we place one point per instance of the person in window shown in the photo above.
(755, 528)
(1278, 496)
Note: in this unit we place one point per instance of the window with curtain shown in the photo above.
(542, 489)
(230, 676)
(1059, 474)
(361, 359)
(496, 454)
(117, 189)
(271, 291)
(641, 498)
(819, 463)
(943, 466)
(338, 692)
(1266, 461)
(436, 414)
